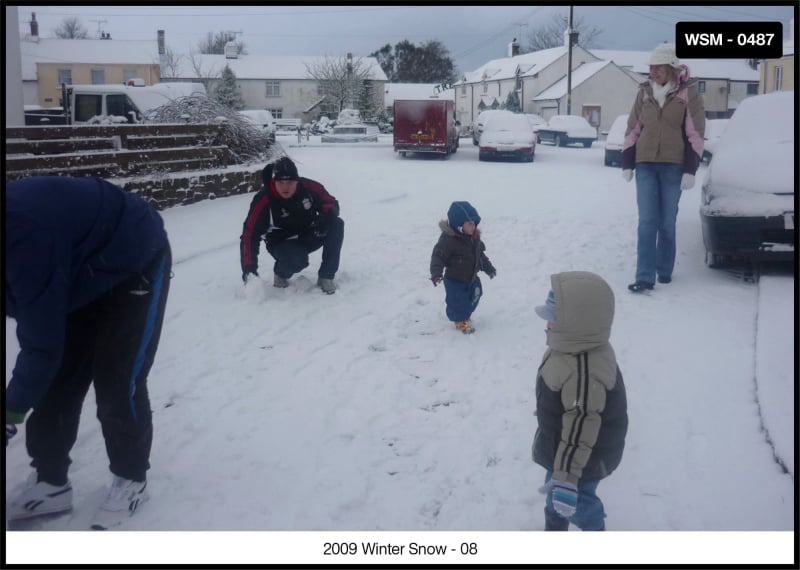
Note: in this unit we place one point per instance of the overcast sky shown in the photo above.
(472, 34)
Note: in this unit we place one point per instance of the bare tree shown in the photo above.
(214, 43)
(341, 79)
(71, 29)
(551, 34)
(204, 75)
(171, 64)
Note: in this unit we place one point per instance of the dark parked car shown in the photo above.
(747, 209)
(507, 136)
(562, 130)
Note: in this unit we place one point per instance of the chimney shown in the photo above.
(34, 26)
(513, 48)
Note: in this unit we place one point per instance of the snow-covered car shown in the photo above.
(747, 208)
(614, 139)
(350, 132)
(480, 120)
(714, 130)
(262, 119)
(507, 136)
(536, 121)
(562, 130)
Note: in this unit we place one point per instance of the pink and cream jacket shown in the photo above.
(672, 133)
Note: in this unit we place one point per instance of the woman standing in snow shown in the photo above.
(664, 144)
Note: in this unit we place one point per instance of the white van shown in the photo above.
(122, 103)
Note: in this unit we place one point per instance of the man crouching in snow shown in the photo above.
(295, 216)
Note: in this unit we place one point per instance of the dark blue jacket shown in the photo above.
(67, 242)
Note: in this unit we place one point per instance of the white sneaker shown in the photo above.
(40, 498)
(327, 285)
(124, 497)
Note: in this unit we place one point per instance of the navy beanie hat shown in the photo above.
(461, 212)
(281, 169)
(285, 169)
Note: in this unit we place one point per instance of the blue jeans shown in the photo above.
(658, 190)
(461, 299)
(589, 514)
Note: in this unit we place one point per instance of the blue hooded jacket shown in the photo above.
(68, 241)
(461, 212)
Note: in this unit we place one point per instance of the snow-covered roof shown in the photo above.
(489, 101)
(414, 91)
(53, 50)
(581, 74)
(274, 66)
(638, 61)
(506, 68)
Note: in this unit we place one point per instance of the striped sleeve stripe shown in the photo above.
(249, 228)
(582, 399)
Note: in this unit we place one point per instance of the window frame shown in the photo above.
(272, 88)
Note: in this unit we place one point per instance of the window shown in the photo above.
(98, 76)
(128, 74)
(464, 90)
(592, 114)
(65, 76)
(752, 88)
(485, 88)
(121, 106)
(701, 86)
(88, 106)
(778, 78)
(276, 113)
(273, 89)
(518, 83)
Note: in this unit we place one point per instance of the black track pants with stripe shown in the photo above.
(110, 343)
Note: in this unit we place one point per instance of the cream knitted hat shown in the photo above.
(664, 54)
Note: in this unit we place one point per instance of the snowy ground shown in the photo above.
(365, 411)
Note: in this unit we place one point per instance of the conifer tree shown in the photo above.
(227, 92)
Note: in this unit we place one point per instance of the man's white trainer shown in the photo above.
(40, 498)
(124, 498)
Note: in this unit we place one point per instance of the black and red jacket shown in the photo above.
(274, 219)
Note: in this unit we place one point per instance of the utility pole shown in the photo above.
(100, 27)
(569, 63)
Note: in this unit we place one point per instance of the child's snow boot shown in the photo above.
(465, 326)
(554, 521)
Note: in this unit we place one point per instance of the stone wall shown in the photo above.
(190, 187)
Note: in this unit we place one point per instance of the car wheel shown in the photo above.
(587, 144)
(403, 153)
(716, 260)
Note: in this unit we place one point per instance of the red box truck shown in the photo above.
(425, 125)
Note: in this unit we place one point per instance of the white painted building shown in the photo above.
(603, 83)
(280, 84)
